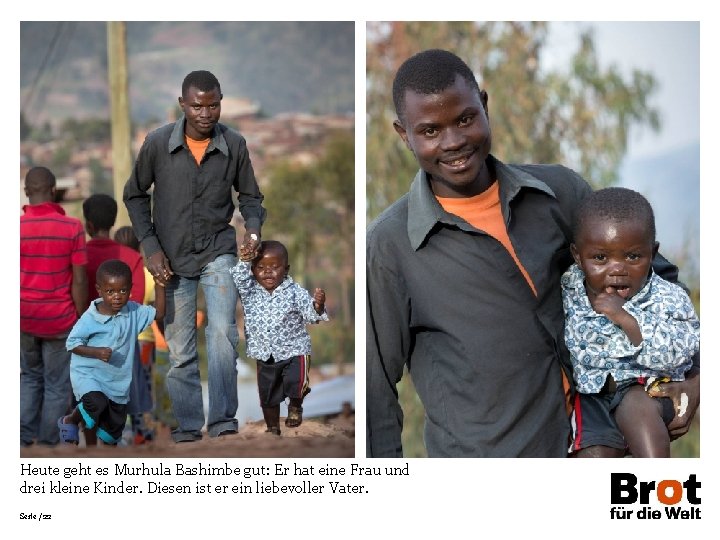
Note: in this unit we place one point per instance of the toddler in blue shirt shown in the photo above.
(102, 344)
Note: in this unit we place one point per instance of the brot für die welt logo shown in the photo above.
(681, 498)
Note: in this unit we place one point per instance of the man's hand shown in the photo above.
(159, 267)
(686, 399)
(251, 244)
(252, 239)
(247, 252)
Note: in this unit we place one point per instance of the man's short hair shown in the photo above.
(100, 210)
(39, 179)
(202, 80)
(113, 268)
(429, 72)
(616, 204)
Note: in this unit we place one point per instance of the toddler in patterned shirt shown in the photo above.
(277, 311)
(625, 327)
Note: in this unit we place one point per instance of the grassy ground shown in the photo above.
(687, 446)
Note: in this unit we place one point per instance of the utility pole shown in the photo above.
(119, 114)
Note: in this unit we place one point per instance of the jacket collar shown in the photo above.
(177, 138)
(424, 211)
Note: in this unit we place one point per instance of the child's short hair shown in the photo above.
(39, 179)
(273, 245)
(113, 268)
(126, 236)
(616, 204)
(100, 210)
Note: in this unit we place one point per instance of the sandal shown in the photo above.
(69, 433)
(294, 417)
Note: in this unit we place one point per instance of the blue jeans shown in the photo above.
(221, 338)
(45, 390)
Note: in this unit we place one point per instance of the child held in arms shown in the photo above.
(626, 328)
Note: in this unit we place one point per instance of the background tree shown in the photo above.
(101, 181)
(86, 130)
(25, 127)
(61, 157)
(580, 118)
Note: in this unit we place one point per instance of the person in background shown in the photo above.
(142, 385)
(53, 292)
(100, 213)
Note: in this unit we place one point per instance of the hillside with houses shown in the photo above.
(287, 95)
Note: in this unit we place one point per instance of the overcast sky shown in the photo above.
(670, 50)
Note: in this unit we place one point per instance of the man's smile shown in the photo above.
(456, 161)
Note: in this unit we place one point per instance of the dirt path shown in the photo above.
(333, 439)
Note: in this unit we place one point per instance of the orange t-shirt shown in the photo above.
(197, 148)
(484, 213)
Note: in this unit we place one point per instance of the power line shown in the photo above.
(57, 49)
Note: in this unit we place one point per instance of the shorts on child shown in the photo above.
(99, 411)
(286, 378)
(593, 419)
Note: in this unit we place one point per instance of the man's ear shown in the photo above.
(180, 101)
(400, 130)
(575, 254)
(484, 99)
(656, 248)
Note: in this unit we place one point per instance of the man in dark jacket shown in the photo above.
(193, 166)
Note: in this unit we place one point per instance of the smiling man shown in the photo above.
(193, 166)
(463, 281)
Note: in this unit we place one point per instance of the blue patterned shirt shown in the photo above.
(598, 347)
(275, 321)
